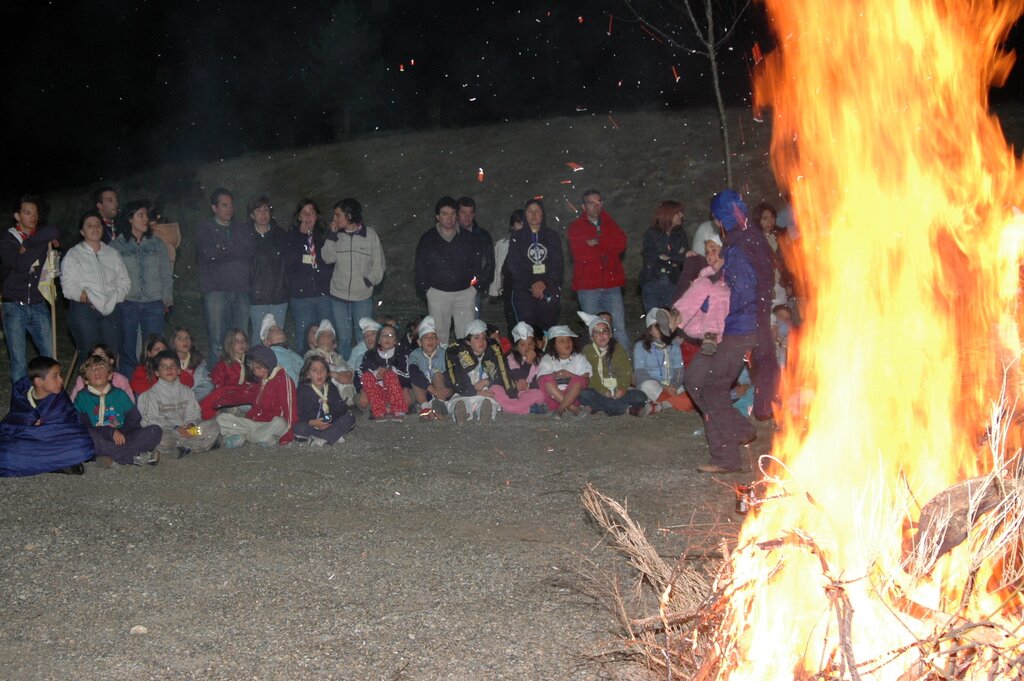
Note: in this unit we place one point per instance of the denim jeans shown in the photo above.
(306, 312)
(658, 293)
(347, 314)
(32, 319)
(612, 406)
(88, 327)
(597, 300)
(256, 315)
(147, 318)
(223, 310)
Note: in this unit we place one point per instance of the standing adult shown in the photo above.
(467, 222)
(664, 253)
(223, 257)
(449, 262)
(358, 258)
(500, 285)
(268, 277)
(710, 377)
(151, 293)
(105, 200)
(597, 244)
(95, 281)
(23, 255)
(309, 277)
(535, 267)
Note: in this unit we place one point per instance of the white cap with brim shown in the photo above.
(268, 323)
(325, 327)
(561, 331)
(368, 324)
(476, 326)
(651, 318)
(521, 331)
(427, 325)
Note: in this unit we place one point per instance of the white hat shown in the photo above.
(521, 330)
(325, 326)
(561, 331)
(476, 326)
(368, 324)
(714, 237)
(268, 323)
(651, 318)
(427, 325)
(592, 321)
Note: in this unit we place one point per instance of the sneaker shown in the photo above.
(539, 408)
(427, 414)
(584, 412)
(77, 469)
(397, 416)
(146, 459)
(486, 411)
(664, 325)
(439, 407)
(233, 441)
(461, 415)
(710, 344)
(641, 410)
(183, 452)
(317, 442)
(340, 440)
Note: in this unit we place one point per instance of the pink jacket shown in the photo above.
(697, 322)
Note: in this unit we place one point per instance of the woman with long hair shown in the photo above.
(309, 276)
(149, 268)
(535, 268)
(664, 252)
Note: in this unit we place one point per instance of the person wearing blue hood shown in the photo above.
(748, 272)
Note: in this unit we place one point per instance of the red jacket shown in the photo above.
(598, 266)
(225, 373)
(276, 397)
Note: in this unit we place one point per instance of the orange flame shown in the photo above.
(902, 185)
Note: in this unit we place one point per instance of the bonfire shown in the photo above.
(884, 540)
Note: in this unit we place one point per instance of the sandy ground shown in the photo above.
(411, 551)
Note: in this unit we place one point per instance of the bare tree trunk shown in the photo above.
(712, 58)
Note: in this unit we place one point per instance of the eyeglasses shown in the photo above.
(600, 332)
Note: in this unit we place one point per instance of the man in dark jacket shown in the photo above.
(467, 222)
(224, 251)
(449, 271)
(23, 251)
(710, 377)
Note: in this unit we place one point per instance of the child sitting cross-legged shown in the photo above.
(523, 363)
(427, 372)
(42, 432)
(272, 397)
(384, 376)
(611, 375)
(173, 406)
(115, 425)
(477, 369)
(229, 378)
(324, 418)
(116, 379)
(563, 372)
(341, 374)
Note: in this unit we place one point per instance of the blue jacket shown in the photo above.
(149, 268)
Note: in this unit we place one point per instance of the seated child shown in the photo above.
(145, 372)
(427, 372)
(42, 433)
(229, 378)
(369, 327)
(273, 336)
(563, 372)
(117, 380)
(114, 422)
(384, 377)
(477, 369)
(172, 405)
(273, 411)
(611, 374)
(193, 365)
(323, 417)
(658, 368)
(523, 363)
(326, 347)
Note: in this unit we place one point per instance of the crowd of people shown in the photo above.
(715, 307)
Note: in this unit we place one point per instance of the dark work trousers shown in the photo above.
(541, 313)
(708, 381)
(764, 368)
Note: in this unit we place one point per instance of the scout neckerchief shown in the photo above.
(101, 411)
(607, 380)
(666, 361)
(324, 406)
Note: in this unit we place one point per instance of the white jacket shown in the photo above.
(168, 405)
(101, 274)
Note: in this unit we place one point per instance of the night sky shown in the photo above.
(99, 89)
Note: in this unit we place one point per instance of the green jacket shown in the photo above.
(621, 368)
